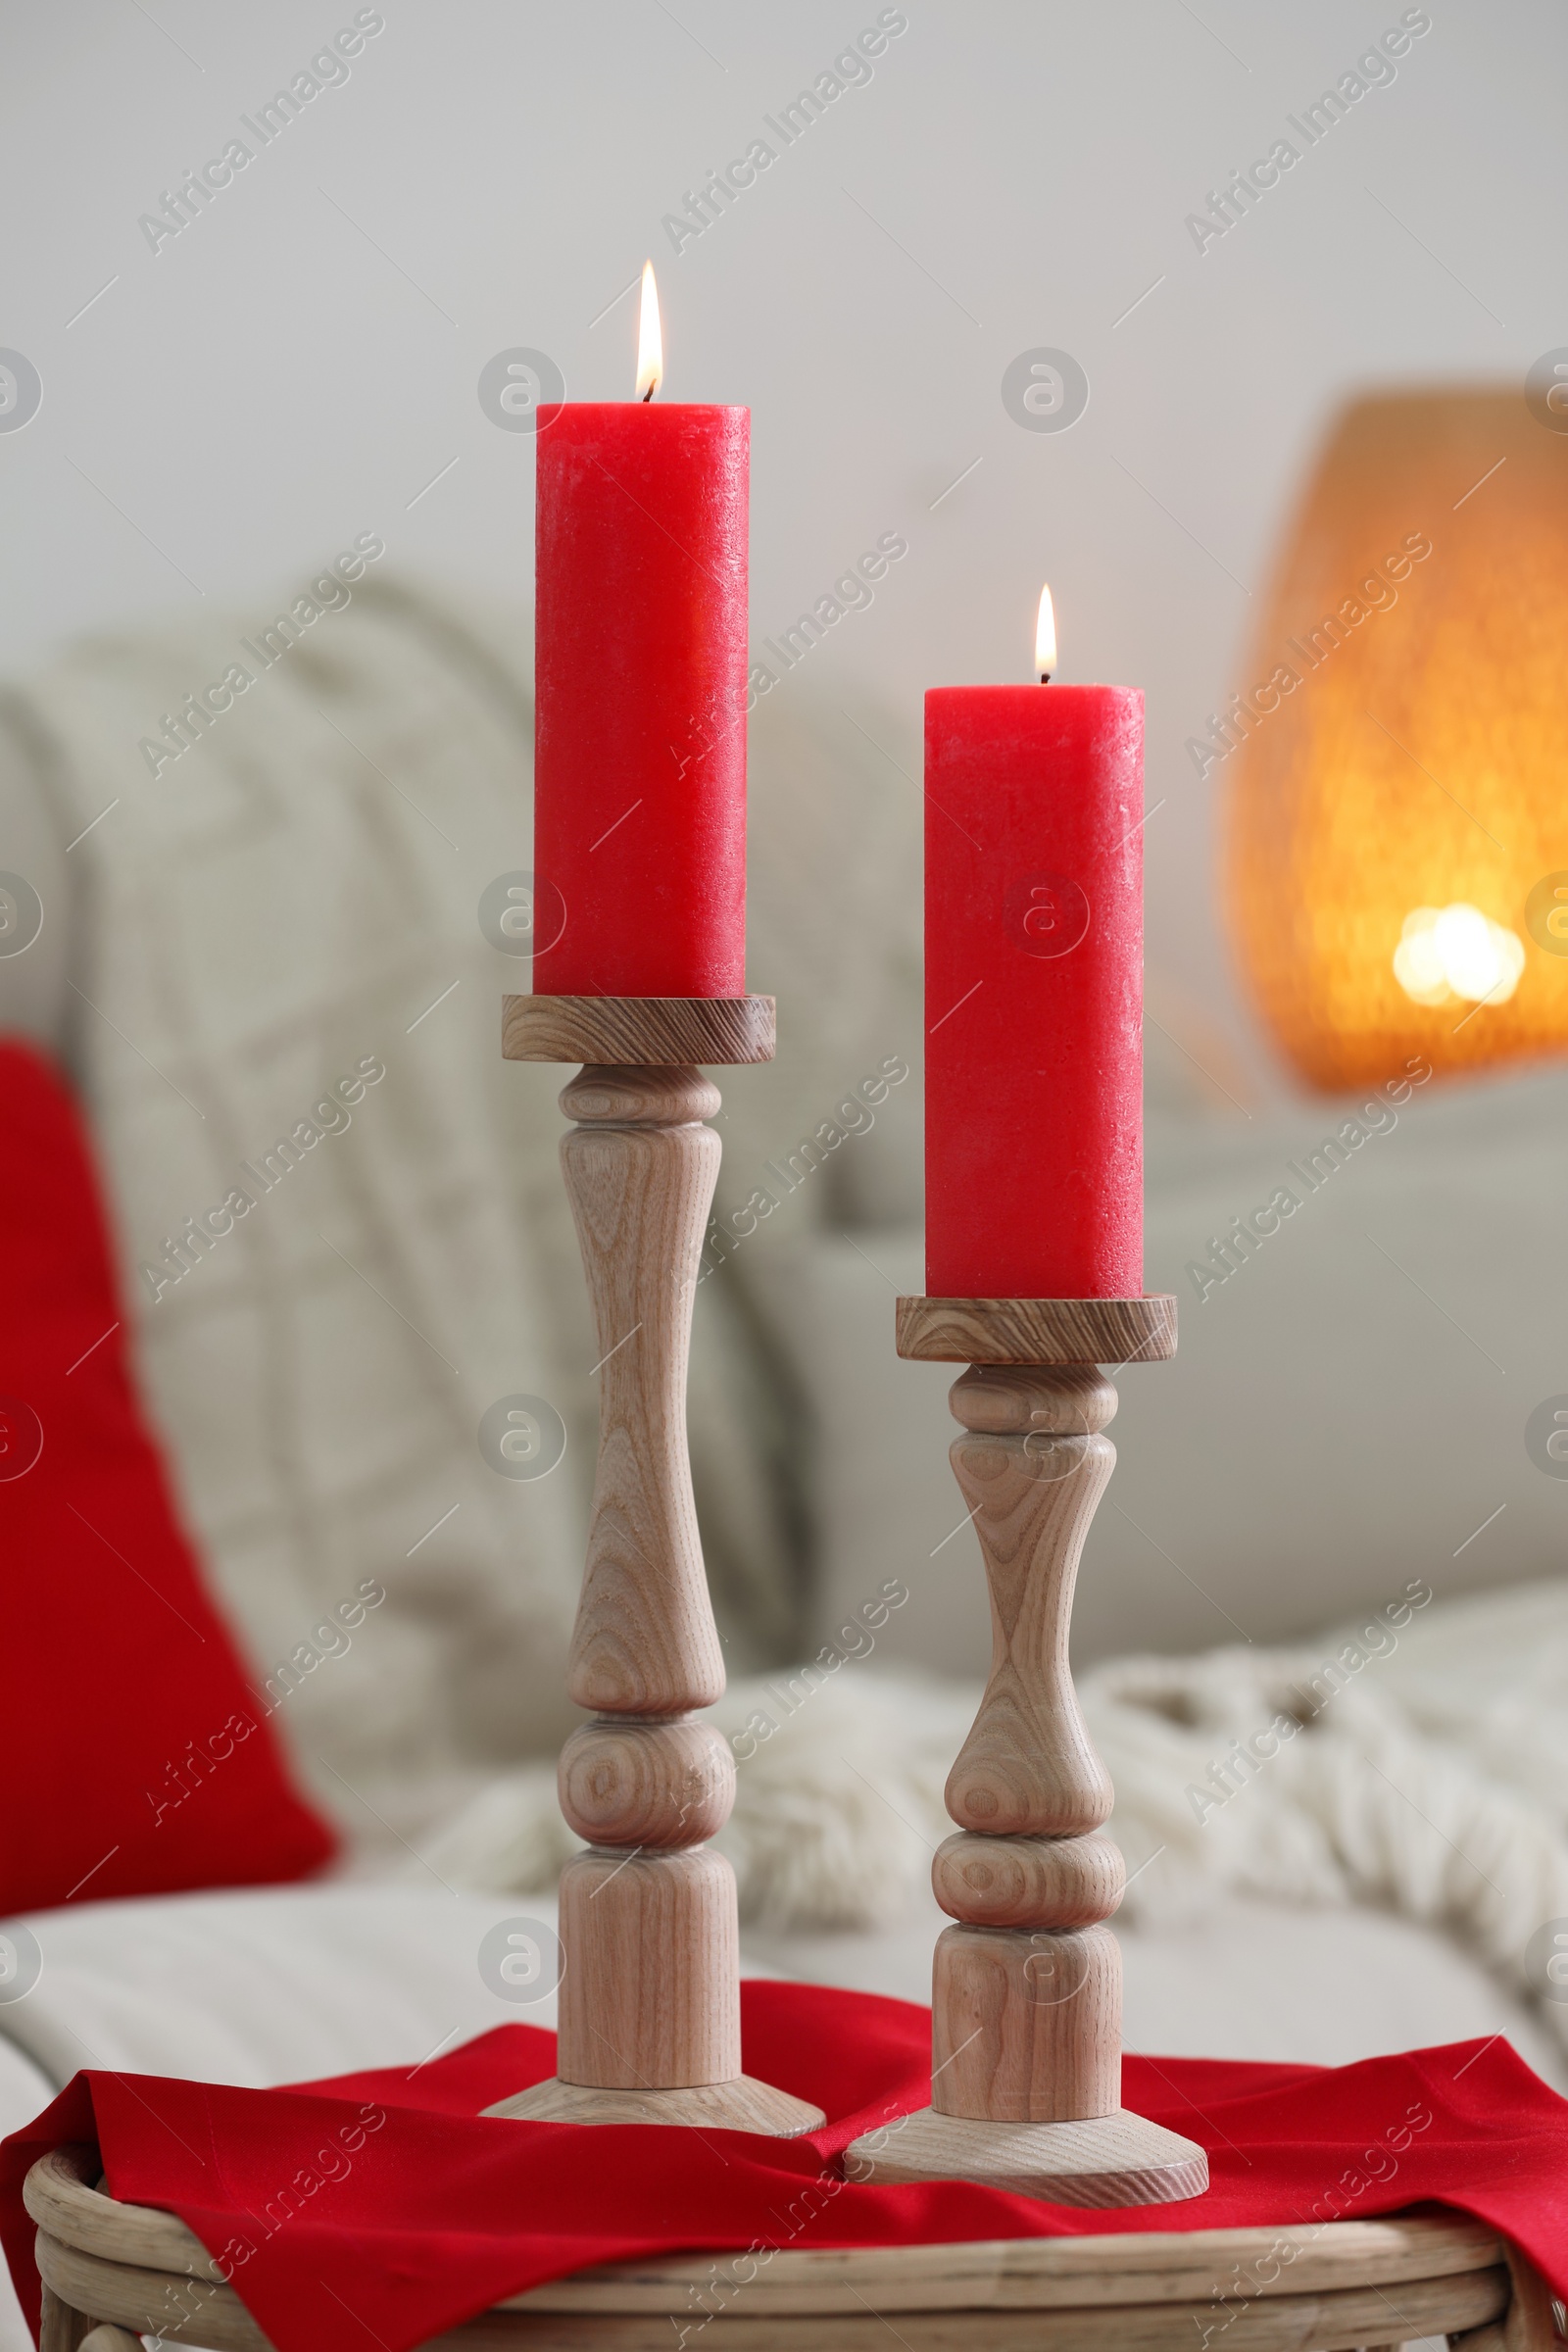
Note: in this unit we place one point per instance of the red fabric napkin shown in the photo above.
(388, 2198)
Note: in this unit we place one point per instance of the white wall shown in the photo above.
(280, 376)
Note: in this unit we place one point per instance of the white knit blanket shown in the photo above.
(1426, 1769)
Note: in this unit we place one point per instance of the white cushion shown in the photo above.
(265, 1985)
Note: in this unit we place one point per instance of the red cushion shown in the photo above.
(140, 1758)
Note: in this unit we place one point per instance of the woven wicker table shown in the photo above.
(109, 2269)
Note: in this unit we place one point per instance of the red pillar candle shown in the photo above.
(1033, 992)
(640, 723)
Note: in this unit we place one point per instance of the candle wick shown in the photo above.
(1044, 677)
(647, 396)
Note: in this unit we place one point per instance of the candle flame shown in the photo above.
(650, 342)
(1045, 637)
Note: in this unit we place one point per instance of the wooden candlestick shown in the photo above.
(650, 2024)
(1026, 1991)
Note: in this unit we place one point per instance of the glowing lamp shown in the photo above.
(1397, 769)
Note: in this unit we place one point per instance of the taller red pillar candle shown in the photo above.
(1034, 992)
(640, 720)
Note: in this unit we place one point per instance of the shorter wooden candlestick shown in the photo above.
(1026, 1991)
(650, 2023)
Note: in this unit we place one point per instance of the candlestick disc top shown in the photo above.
(657, 1031)
(1038, 1331)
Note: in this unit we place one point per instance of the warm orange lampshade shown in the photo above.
(1405, 800)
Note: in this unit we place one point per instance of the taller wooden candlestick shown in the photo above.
(1026, 1991)
(650, 2027)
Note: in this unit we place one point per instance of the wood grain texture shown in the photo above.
(1128, 2267)
(650, 1995)
(1026, 1986)
(1073, 1400)
(637, 1029)
(1028, 1768)
(622, 1094)
(640, 1174)
(1116, 2159)
(1028, 1881)
(105, 2338)
(149, 2302)
(1140, 2290)
(1321, 2321)
(1329, 2323)
(742, 2104)
(1026, 2025)
(58, 2193)
(628, 1782)
(1036, 1331)
(1115, 2271)
(1529, 2324)
(61, 2327)
(1293, 2322)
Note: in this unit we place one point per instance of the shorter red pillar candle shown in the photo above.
(1033, 992)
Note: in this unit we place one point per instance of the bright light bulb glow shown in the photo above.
(1045, 636)
(1456, 953)
(650, 340)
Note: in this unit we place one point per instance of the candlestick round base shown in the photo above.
(1038, 1331)
(1118, 2159)
(639, 1031)
(741, 2105)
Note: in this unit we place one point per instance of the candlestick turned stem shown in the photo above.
(649, 2028)
(1026, 1991)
